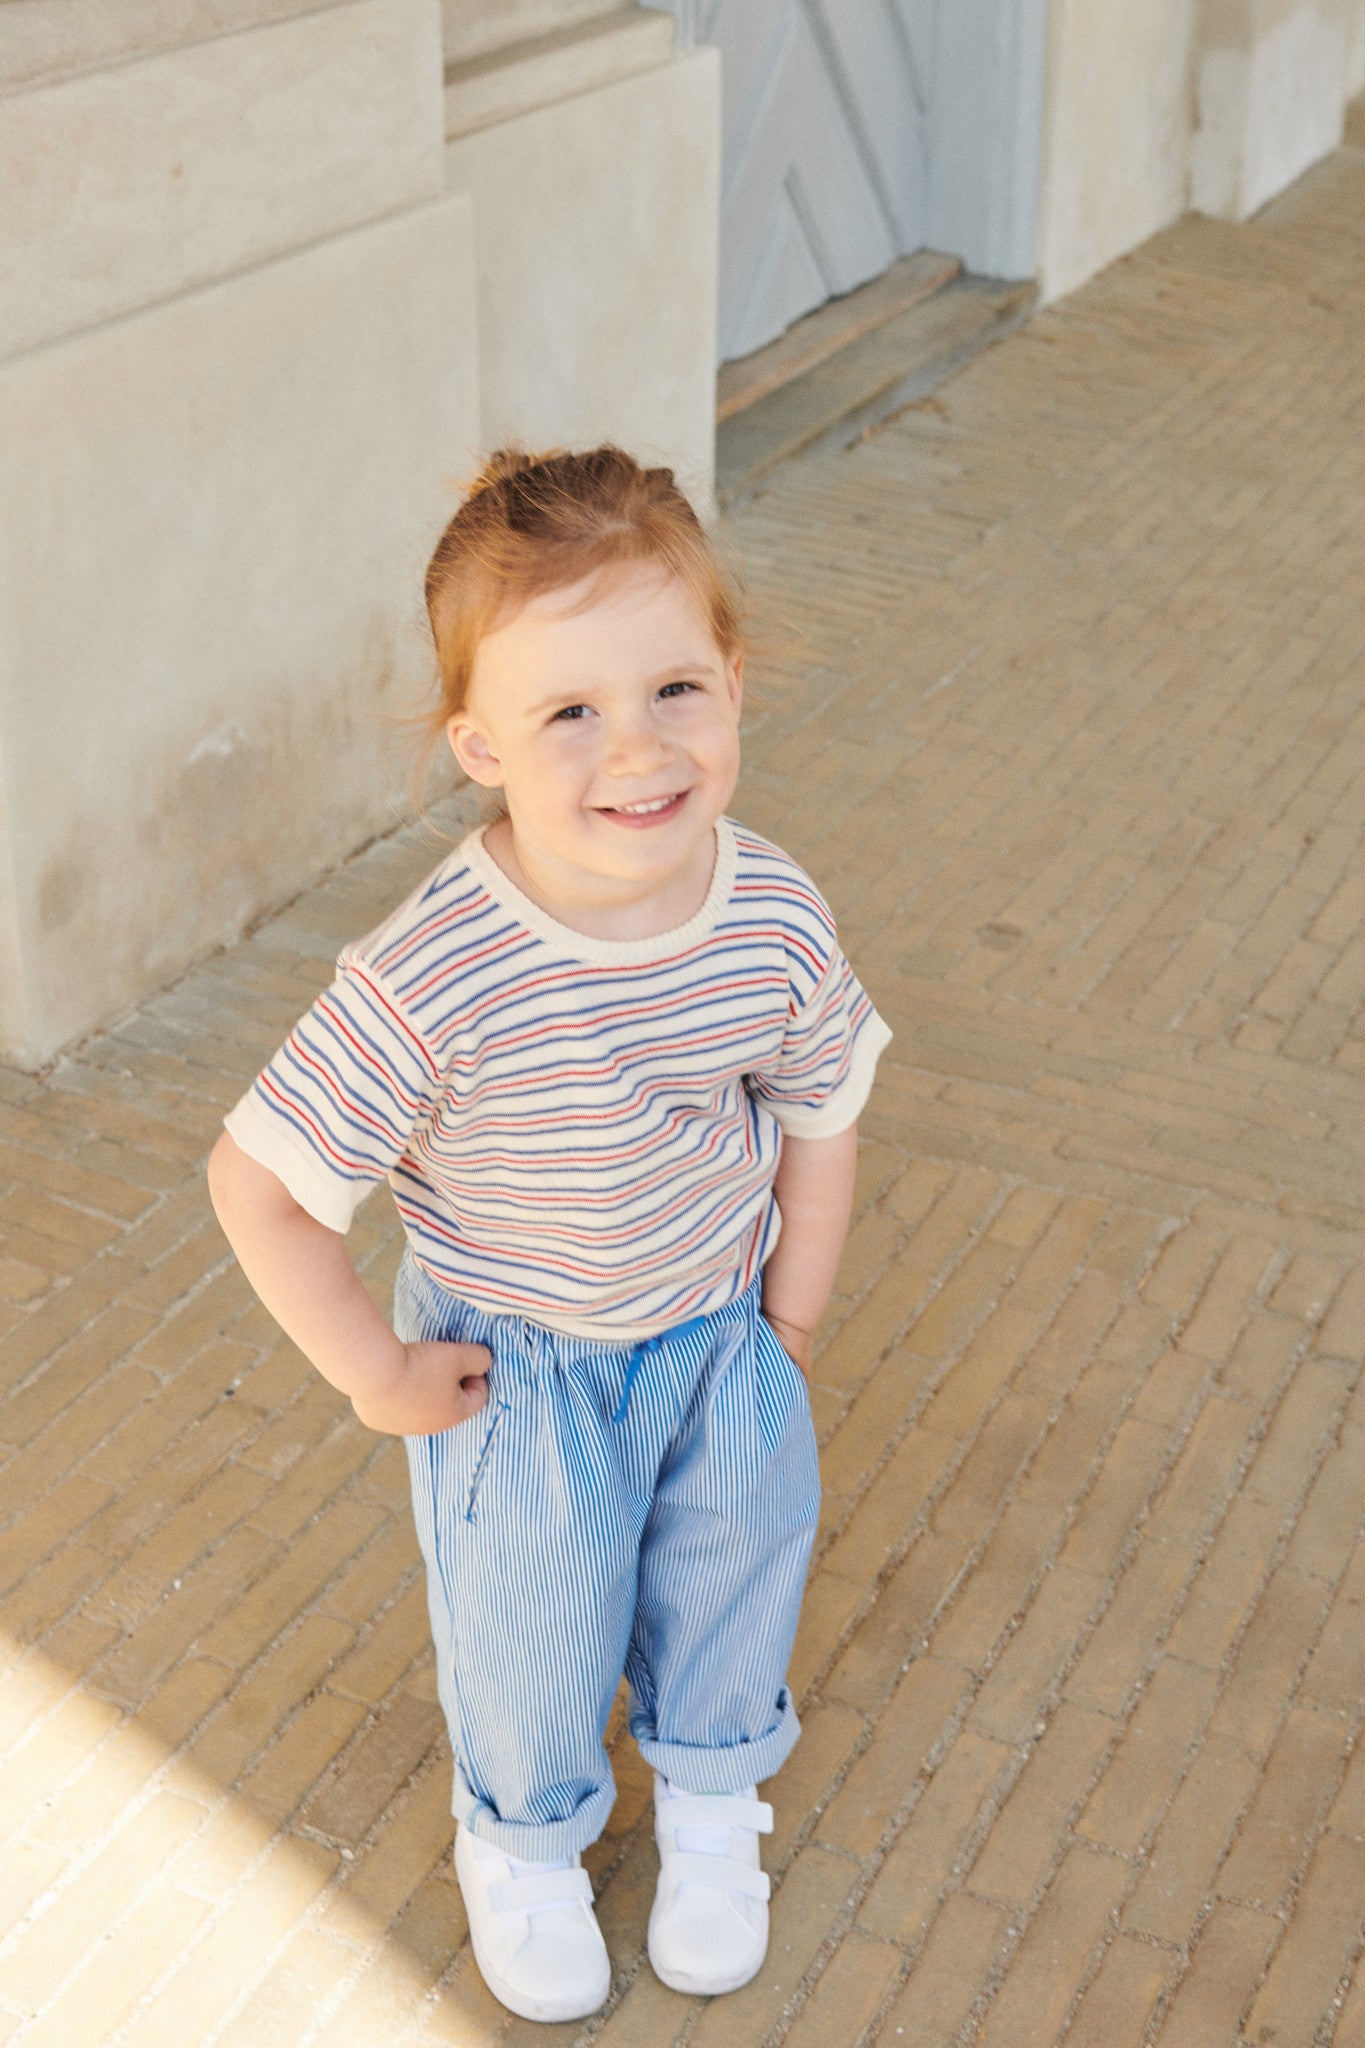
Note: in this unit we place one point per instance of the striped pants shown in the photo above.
(645, 1510)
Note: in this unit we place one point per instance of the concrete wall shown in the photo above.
(41, 40)
(1217, 104)
(1355, 48)
(478, 28)
(237, 375)
(250, 298)
(1272, 85)
(596, 222)
(1117, 133)
(127, 183)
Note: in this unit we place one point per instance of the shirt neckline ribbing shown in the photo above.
(607, 952)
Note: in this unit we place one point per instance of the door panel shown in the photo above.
(801, 218)
(879, 55)
(785, 282)
(823, 173)
(856, 131)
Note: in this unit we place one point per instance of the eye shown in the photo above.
(568, 712)
(677, 689)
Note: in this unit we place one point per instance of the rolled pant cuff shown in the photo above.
(533, 1841)
(693, 1767)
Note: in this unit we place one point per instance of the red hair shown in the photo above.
(536, 523)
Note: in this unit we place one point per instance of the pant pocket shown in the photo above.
(493, 1416)
(779, 1369)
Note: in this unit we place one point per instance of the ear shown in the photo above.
(472, 749)
(734, 679)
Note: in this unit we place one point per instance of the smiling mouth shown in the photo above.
(652, 811)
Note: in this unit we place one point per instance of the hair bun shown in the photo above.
(504, 463)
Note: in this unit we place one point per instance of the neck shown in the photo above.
(604, 906)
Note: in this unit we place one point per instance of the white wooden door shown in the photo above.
(823, 171)
(856, 131)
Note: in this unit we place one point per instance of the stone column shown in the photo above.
(238, 374)
(1271, 87)
(1116, 137)
(591, 150)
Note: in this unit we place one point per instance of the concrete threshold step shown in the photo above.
(859, 381)
(829, 328)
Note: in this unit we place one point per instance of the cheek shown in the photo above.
(720, 743)
(559, 764)
(706, 722)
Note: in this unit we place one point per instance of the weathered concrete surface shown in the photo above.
(213, 516)
(261, 326)
(597, 283)
(1116, 142)
(42, 40)
(1215, 104)
(1059, 695)
(478, 29)
(1273, 77)
(128, 184)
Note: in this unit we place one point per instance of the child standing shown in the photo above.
(610, 1058)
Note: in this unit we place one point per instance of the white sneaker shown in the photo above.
(708, 1931)
(535, 1937)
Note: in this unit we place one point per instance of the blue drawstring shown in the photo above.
(637, 1359)
(645, 1349)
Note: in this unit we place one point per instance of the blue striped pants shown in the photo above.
(645, 1510)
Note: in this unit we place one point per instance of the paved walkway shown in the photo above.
(1062, 700)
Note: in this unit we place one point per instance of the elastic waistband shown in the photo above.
(462, 1319)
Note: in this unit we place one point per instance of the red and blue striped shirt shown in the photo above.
(582, 1131)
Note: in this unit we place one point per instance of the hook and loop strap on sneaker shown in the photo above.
(541, 1888)
(716, 1873)
(717, 1810)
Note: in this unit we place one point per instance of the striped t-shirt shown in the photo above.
(582, 1131)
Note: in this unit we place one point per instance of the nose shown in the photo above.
(635, 746)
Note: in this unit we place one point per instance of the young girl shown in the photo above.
(610, 1058)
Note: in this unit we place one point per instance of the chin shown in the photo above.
(646, 863)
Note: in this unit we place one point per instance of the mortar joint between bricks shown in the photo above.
(950, 1471)
(942, 1274)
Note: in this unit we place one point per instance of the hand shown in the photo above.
(794, 1341)
(434, 1387)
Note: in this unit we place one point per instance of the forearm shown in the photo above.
(814, 1194)
(301, 1271)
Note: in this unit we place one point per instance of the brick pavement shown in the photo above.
(1060, 697)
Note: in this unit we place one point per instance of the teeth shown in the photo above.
(658, 803)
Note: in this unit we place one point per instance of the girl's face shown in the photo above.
(611, 724)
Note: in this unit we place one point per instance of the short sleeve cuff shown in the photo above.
(846, 1104)
(327, 1197)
